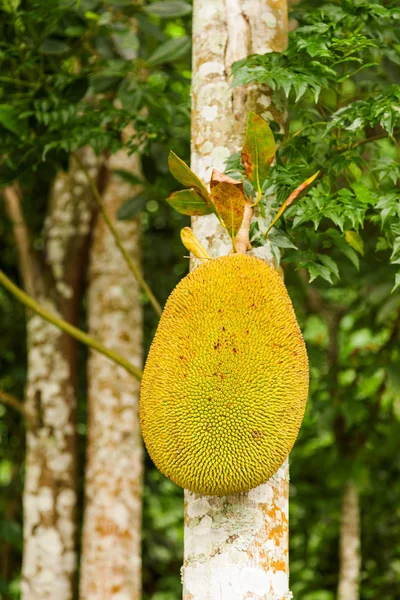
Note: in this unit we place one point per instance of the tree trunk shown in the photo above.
(350, 556)
(49, 501)
(236, 547)
(111, 560)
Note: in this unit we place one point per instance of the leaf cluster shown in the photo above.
(340, 74)
(85, 71)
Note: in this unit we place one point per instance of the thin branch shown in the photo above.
(132, 266)
(10, 400)
(76, 333)
(379, 136)
(21, 236)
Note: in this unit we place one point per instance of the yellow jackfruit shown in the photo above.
(226, 380)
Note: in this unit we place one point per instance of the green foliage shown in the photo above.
(340, 73)
(73, 75)
(80, 74)
(351, 426)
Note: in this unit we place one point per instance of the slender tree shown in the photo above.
(111, 558)
(236, 546)
(350, 558)
(54, 279)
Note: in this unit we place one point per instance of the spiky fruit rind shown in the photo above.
(226, 380)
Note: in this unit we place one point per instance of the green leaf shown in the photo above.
(298, 193)
(53, 46)
(170, 50)
(132, 207)
(354, 239)
(7, 175)
(330, 264)
(393, 371)
(317, 270)
(168, 10)
(281, 240)
(396, 282)
(229, 200)
(188, 202)
(119, 3)
(186, 177)
(127, 44)
(9, 119)
(103, 83)
(130, 95)
(129, 177)
(258, 150)
(76, 90)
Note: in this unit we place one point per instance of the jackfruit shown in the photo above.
(226, 380)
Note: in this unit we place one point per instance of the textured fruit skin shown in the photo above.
(226, 379)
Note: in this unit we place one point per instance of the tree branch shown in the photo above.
(374, 138)
(10, 400)
(22, 238)
(76, 333)
(131, 264)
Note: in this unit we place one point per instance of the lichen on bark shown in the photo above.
(49, 500)
(111, 563)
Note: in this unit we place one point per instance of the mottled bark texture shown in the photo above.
(49, 499)
(349, 554)
(111, 563)
(236, 547)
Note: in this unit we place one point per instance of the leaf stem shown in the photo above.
(131, 264)
(76, 333)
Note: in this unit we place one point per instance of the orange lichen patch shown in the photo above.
(279, 565)
(274, 528)
(218, 339)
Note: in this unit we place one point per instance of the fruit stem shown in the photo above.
(242, 241)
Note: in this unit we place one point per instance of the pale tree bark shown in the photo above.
(111, 559)
(236, 547)
(349, 552)
(49, 500)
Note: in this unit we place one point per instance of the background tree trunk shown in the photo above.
(49, 499)
(111, 560)
(349, 553)
(236, 547)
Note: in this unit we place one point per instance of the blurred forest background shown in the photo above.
(75, 75)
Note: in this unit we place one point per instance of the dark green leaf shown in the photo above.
(130, 95)
(129, 177)
(9, 119)
(396, 282)
(188, 202)
(186, 177)
(76, 90)
(281, 240)
(170, 50)
(53, 46)
(104, 83)
(168, 10)
(132, 207)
